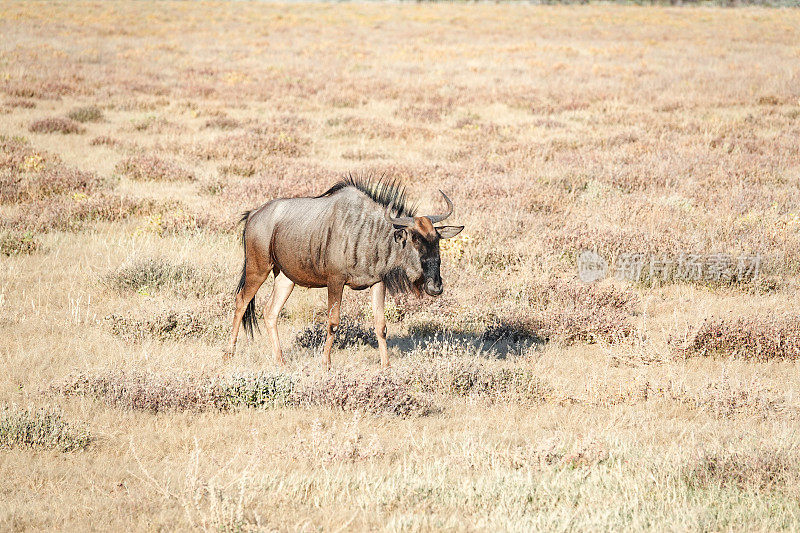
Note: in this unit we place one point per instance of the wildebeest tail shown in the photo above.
(249, 319)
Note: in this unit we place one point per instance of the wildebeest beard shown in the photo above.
(397, 282)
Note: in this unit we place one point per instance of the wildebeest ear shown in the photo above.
(400, 235)
(448, 232)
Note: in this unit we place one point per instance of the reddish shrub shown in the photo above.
(75, 213)
(56, 125)
(27, 175)
(21, 103)
(152, 168)
(758, 338)
(223, 123)
(46, 183)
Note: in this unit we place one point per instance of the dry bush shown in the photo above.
(152, 168)
(149, 275)
(17, 155)
(371, 393)
(374, 128)
(182, 221)
(21, 103)
(583, 454)
(430, 325)
(511, 331)
(375, 393)
(722, 399)
(105, 140)
(157, 125)
(565, 326)
(42, 89)
(349, 334)
(416, 113)
(223, 123)
(583, 325)
(46, 182)
(461, 376)
(258, 390)
(18, 243)
(276, 178)
(141, 391)
(569, 312)
(249, 152)
(493, 261)
(762, 469)
(40, 429)
(55, 196)
(170, 324)
(90, 113)
(27, 174)
(363, 155)
(758, 338)
(337, 443)
(78, 212)
(580, 295)
(207, 318)
(61, 125)
(725, 399)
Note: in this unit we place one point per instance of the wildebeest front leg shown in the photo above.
(280, 293)
(334, 308)
(378, 293)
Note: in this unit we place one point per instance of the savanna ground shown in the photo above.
(134, 133)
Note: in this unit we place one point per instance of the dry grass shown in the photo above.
(522, 399)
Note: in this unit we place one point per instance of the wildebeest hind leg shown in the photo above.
(280, 293)
(252, 282)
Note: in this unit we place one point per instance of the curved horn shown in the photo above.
(399, 221)
(438, 218)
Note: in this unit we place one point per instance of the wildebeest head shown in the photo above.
(419, 239)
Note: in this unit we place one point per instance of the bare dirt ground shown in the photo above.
(135, 133)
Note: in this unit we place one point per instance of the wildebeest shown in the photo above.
(360, 233)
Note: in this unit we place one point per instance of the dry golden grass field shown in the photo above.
(133, 134)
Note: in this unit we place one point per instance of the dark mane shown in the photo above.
(385, 191)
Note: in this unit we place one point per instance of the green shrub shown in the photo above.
(39, 428)
(18, 243)
(90, 113)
